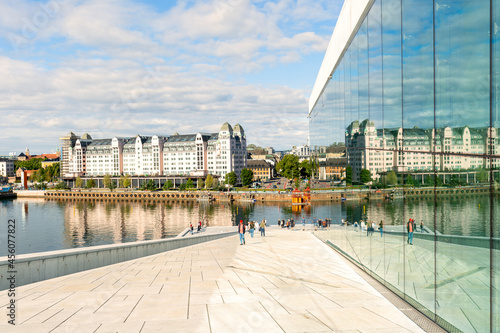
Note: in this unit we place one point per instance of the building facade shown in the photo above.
(176, 155)
(6, 167)
(262, 170)
(412, 86)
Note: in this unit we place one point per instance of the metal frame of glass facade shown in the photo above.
(413, 91)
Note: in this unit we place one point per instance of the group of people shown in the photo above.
(322, 224)
(192, 228)
(289, 224)
(251, 228)
(369, 225)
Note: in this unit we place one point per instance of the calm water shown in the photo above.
(53, 225)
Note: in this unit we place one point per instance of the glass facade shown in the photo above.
(415, 99)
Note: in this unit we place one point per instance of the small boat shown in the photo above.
(6, 189)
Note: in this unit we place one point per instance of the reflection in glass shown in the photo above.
(462, 63)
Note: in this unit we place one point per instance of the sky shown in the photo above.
(128, 67)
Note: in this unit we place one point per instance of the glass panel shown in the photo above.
(413, 143)
(418, 95)
(495, 217)
(392, 82)
(462, 68)
(362, 46)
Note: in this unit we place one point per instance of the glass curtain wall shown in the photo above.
(414, 98)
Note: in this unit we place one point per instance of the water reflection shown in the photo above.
(54, 225)
(95, 223)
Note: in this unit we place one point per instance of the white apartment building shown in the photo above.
(184, 155)
(201, 154)
(6, 168)
(413, 149)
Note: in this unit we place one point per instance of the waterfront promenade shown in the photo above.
(285, 282)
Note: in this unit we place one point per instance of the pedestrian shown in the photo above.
(368, 227)
(252, 228)
(262, 228)
(381, 227)
(199, 226)
(410, 226)
(241, 232)
(303, 223)
(293, 224)
(421, 226)
(356, 226)
(279, 223)
(191, 227)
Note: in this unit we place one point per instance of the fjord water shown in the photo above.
(46, 225)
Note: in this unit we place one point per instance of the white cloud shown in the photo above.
(119, 68)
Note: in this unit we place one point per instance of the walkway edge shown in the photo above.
(30, 268)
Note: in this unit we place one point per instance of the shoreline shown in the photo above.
(316, 195)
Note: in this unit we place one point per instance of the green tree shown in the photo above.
(348, 175)
(32, 164)
(392, 178)
(61, 185)
(125, 181)
(168, 185)
(200, 183)
(182, 187)
(454, 181)
(189, 183)
(439, 181)
(51, 172)
(365, 176)
(289, 166)
(409, 180)
(231, 178)
(90, 183)
(78, 182)
(107, 180)
(149, 185)
(482, 176)
(209, 181)
(308, 168)
(246, 177)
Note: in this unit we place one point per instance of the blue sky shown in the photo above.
(125, 67)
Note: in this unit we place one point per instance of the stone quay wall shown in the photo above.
(274, 196)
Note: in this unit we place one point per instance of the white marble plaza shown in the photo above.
(285, 282)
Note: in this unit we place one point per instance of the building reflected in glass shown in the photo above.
(412, 88)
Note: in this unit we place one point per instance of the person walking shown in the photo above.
(381, 227)
(199, 226)
(410, 226)
(421, 226)
(241, 232)
(262, 228)
(191, 227)
(303, 223)
(252, 228)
